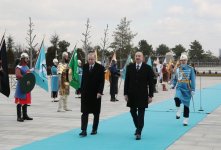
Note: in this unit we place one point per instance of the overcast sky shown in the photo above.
(170, 22)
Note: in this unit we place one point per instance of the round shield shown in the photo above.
(27, 83)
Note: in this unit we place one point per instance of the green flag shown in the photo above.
(75, 82)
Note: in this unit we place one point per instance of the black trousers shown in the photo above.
(186, 109)
(113, 86)
(138, 118)
(84, 121)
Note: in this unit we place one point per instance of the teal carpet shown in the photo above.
(160, 131)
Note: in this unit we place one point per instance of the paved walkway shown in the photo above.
(48, 122)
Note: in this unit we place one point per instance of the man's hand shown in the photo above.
(171, 86)
(149, 100)
(98, 95)
(126, 98)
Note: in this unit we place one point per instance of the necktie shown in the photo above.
(138, 67)
(91, 67)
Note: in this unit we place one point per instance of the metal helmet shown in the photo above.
(64, 54)
(24, 55)
(183, 57)
(55, 60)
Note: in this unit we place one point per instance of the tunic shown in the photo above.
(20, 96)
(185, 83)
(54, 79)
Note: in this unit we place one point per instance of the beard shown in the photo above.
(66, 60)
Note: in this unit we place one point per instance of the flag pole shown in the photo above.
(2, 39)
(39, 50)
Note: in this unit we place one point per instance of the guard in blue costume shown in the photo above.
(22, 99)
(54, 80)
(184, 81)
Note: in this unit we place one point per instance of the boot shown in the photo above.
(185, 121)
(60, 104)
(164, 87)
(178, 113)
(66, 104)
(112, 100)
(19, 118)
(24, 111)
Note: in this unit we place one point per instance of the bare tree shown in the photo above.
(104, 44)
(30, 40)
(86, 43)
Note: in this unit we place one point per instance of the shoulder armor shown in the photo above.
(189, 66)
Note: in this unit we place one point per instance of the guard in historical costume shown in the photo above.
(25, 84)
(80, 71)
(165, 77)
(64, 87)
(54, 80)
(184, 82)
(114, 76)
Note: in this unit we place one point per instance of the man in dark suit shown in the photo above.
(139, 77)
(92, 86)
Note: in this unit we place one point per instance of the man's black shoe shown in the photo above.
(177, 117)
(20, 119)
(93, 132)
(27, 118)
(112, 100)
(136, 132)
(83, 134)
(138, 137)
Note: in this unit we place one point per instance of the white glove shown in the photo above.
(32, 69)
(126, 98)
(171, 86)
(192, 93)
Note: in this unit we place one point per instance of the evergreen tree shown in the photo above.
(196, 51)
(145, 48)
(10, 51)
(162, 50)
(178, 50)
(123, 37)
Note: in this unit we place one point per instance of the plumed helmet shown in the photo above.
(24, 55)
(183, 57)
(55, 60)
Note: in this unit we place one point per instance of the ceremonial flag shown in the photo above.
(107, 72)
(125, 67)
(96, 55)
(169, 65)
(114, 57)
(40, 70)
(107, 75)
(149, 62)
(4, 79)
(75, 82)
(165, 61)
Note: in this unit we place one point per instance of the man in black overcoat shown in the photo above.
(92, 86)
(138, 90)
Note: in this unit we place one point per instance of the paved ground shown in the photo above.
(48, 122)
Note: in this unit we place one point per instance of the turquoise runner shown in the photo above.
(160, 131)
